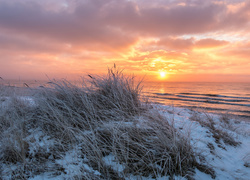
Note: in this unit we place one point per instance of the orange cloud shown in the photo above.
(143, 36)
(176, 43)
(209, 43)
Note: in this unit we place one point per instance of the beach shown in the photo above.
(107, 131)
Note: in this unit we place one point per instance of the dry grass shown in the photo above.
(106, 117)
(217, 129)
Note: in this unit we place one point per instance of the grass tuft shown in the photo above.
(219, 133)
(102, 123)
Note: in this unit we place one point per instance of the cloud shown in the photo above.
(176, 43)
(238, 51)
(209, 43)
(240, 17)
(82, 27)
(116, 23)
(159, 20)
(159, 60)
(141, 35)
(185, 45)
(13, 43)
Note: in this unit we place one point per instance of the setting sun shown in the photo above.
(163, 75)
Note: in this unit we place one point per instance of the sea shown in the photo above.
(221, 98)
(226, 98)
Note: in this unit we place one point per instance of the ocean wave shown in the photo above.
(239, 113)
(208, 97)
(216, 95)
(218, 109)
(201, 101)
(215, 99)
(227, 98)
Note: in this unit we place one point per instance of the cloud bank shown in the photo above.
(73, 37)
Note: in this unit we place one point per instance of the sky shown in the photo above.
(161, 40)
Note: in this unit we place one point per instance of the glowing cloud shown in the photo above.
(69, 38)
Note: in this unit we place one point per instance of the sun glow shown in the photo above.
(163, 74)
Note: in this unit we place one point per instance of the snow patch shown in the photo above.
(111, 161)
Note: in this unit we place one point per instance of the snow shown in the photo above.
(38, 140)
(229, 162)
(111, 161)
(27, 100)
(72, 163)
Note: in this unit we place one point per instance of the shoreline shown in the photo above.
(205, 110)
(68, 128)
(31, 90)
